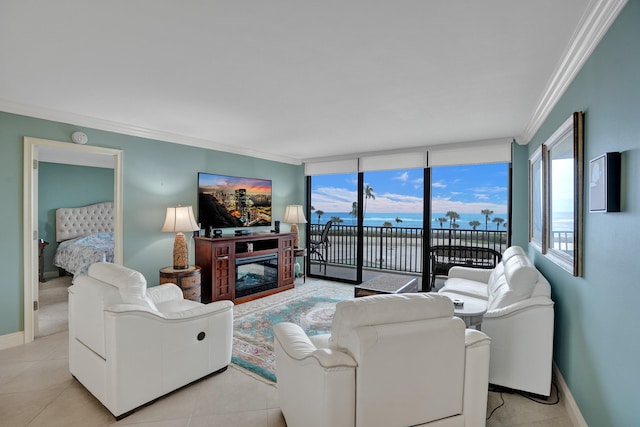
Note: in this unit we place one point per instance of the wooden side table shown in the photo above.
(302, 252)
(41, 245)
(188, 280)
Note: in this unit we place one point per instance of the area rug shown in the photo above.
(309, 305)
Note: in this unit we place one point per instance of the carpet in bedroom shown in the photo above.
(309, 305)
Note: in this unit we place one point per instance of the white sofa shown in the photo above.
(129, 345)
(400, 359)
(519, 319)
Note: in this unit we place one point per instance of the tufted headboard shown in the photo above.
(84, 220)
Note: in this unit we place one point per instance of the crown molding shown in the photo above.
(126, 129)
(596, 21)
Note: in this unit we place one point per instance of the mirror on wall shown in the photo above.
(556, 195)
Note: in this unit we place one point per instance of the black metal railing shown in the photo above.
(400, 248)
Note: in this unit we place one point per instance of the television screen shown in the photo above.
(231, 201)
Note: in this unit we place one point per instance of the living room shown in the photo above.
(593, 349)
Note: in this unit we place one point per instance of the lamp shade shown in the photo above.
(294, 214)
(180, 218)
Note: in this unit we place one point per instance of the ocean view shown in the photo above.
(410, 220)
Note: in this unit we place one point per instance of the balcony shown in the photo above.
(394, 249)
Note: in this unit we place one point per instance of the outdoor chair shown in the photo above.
(446, 256)
(319, 248)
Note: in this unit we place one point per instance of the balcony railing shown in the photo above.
(400, 248)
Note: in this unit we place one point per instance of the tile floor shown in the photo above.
(36, 389)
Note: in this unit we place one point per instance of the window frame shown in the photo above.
(573, 129)
(536, 200)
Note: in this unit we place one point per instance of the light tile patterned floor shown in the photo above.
(36, 389)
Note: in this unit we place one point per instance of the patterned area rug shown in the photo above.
(309, 305)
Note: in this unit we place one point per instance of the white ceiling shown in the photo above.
(297, 80)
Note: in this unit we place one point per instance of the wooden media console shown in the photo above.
(242, 268)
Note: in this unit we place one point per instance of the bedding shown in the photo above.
(84, 235)
(76, 255)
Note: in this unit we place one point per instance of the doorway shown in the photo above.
(66, 153)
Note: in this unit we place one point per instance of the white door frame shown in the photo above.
(30, 218)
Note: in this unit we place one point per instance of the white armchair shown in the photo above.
(519, 319)
(129, 345)
(390, 360)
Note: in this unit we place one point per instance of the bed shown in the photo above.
(85, 236)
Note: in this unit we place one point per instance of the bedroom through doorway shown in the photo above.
(53, 301)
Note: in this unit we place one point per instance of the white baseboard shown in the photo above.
(569, 403)
(11, 340)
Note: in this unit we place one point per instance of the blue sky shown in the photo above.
(464, 189)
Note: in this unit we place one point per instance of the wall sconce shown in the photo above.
(178, 220)
(294, 215)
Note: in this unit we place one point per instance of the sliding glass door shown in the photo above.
(363, 224)
(393, 222)
(332, 227)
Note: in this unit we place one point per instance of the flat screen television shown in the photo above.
(230, 201)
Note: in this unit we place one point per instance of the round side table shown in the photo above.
(188, 280)
(471, 313)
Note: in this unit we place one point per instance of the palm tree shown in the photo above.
(442, 220)
(475, 224)
(386, 224)
(398, 221)
(354, 210)
(368, 194)
(498, 221)
(336, 219)
(319, 213)
(452, 218)
(455, 225)
(486, 213)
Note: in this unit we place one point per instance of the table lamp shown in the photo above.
(180, 219)
(294, 215)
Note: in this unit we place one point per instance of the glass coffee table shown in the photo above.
(386, 284)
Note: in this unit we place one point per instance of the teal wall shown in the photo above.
(596, 339)
(596, 336)
(156, 175)
(62, 186)
(520, 196)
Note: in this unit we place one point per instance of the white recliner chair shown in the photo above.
(129, 345)
(519, 319)
(390, 360)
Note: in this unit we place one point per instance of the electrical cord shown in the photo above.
(497, 407)
(500, 390)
